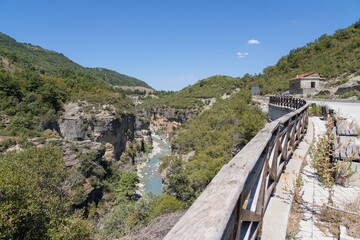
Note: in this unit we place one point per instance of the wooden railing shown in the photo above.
(233, 204)
(288, 102)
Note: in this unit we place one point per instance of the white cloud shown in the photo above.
(253, 41)
(241, 55)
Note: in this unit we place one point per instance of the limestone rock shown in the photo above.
(164, 120)
(98, 125)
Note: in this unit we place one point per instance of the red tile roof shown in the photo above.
(301, 76)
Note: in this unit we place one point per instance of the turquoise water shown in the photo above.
(151, 175)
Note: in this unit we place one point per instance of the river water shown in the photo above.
(150, 177)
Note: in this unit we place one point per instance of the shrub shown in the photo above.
(126, 185)
(164, 204)
(4, 144)
(30, 192)
(316, 110)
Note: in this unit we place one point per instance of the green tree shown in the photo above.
(30, 193)
(126, 186)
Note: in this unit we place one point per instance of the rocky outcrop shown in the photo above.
(87, 166)
(341, 84)
(164, 120)
(101, 124)
(347, 89)
(92, 139)
(142, 133)
(82, 121)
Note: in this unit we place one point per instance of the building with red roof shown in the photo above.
(308, 83)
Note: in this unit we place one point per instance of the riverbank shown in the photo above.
(148, 171)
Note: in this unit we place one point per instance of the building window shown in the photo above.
(312, 84)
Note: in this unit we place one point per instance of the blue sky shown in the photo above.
(172, 44)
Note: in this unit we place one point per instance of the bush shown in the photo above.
(126, 185)
(316, 110)
(164, 204)
(73, 227)
(30, 192)
(4, 144)
(349, 94)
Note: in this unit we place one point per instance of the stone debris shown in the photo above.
(316, 195)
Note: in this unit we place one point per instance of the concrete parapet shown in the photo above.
(276, 112)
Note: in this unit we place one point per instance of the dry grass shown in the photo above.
(331, 219)
(296, 212)
(321, 152)
(357, 129)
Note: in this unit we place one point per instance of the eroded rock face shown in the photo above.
(166, 120)
(93, 138)
(347, 89)
(85, 122)
(142, 131)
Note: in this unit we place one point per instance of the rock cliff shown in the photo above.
(82, 121)
(93, 137)
(164, 120)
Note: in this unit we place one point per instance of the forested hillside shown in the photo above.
(51, 185)
(31, 101)
(331, 55)
(16, 55)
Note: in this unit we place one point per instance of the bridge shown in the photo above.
(233, 204)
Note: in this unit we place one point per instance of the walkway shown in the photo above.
(343, 108)
(316, 195)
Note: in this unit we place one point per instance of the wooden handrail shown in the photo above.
(232, 206)
(288, 102)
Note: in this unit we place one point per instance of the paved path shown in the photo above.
(316, 195)
(345, 109)
(280, 203)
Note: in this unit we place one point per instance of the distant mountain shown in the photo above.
(116, 78)
(15, 55)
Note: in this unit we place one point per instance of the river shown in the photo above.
(150, 177)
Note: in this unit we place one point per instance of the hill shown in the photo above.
(198, 95)
(333, 56)
(48, 177)
(115, 78)
(15, 55)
